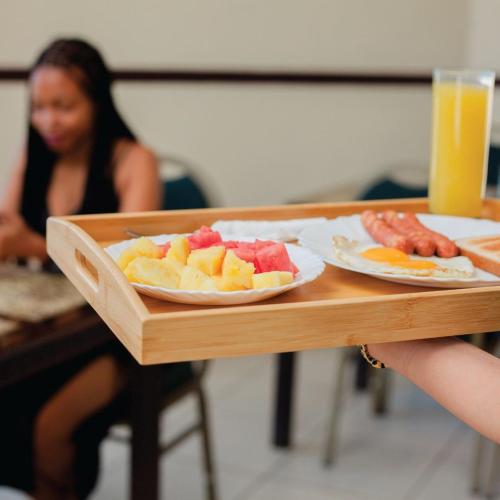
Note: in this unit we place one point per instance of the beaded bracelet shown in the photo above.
(371, 360)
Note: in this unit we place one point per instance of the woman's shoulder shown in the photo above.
(136, 177)
(128, 152)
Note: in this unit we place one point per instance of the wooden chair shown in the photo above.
(193, 386)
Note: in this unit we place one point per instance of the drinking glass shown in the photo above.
(461, 123)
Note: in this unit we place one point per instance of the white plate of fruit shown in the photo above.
(205, 268)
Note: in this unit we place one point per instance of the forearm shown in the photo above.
(459, 376)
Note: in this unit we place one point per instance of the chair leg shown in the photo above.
(207, 447)
(489, 344)
(362, 374)
(333, 423)
(493, 473)
(477, 464)
(380, 381)
(479, 340)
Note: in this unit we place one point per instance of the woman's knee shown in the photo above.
(50, 434)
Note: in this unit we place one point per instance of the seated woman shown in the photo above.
(80, 157)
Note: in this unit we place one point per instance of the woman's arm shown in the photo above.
(461, 377)
(137, 181)
(16, 238)
(11, 200)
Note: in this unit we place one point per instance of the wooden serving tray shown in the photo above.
(340, 308)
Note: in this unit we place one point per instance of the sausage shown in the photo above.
(382, 233)
(445, 247)
(423, 242)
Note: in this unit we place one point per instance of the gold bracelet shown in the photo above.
(371, 360)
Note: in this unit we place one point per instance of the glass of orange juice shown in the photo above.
(461, 123)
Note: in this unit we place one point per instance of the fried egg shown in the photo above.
(379, 259)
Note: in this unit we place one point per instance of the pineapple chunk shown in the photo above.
(266, 280)
(207, 260)
(174, 265)
(226, 285)
(179, 250)
(142, 247)
(194, 279)
(285, 278)
(152, 272)
(272, 279)
(209, 285)
(236, 272)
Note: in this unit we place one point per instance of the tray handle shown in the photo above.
(91, 269)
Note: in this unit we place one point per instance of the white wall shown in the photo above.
(483, 48)
(291, 33)
(257, 144)
(270, 145)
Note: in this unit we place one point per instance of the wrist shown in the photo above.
(369, 358)
(396, 355)
(378, 351)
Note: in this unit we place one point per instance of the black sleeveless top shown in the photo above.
(99, 195)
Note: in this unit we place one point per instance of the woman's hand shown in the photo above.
(12, 230)
(17, 239)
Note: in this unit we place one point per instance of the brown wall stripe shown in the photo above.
(253, 77)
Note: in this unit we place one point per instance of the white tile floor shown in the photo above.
(417, 452)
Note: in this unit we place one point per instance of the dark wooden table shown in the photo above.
(33, 347)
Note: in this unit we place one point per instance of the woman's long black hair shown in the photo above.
(94, 78)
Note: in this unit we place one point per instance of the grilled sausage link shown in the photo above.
(423, 242)
(382, 233)
(445, 247)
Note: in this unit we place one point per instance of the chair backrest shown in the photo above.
(397, 182)
(183, 188)
(183, 193)
(385, 188)
(388, 186)
(494, 167)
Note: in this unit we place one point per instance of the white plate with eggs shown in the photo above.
(351, 240)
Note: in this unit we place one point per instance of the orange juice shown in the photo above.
(460, 139)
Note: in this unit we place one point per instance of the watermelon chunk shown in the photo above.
(263, 243)
(274, 258)
(164, 249)
(245, 253)
(246, 245)
(204, 238)
(229, 244)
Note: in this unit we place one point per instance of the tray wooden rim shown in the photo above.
(157, 336)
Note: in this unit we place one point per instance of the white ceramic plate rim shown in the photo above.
(309, 264)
